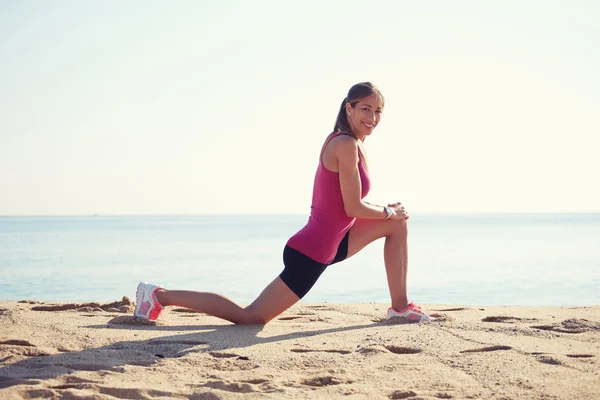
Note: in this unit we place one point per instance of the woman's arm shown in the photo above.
(346, 151)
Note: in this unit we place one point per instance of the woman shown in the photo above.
(339, 226)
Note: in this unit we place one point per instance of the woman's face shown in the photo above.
(365, 115)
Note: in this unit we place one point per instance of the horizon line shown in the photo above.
(294, 214)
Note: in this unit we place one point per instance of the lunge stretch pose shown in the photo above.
(339, 226)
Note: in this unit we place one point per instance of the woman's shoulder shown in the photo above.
(342, 140)
(343, 146)
(339, 148)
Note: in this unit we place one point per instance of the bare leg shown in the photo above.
(395, 252)
(274, 299)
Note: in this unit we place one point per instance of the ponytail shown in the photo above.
(341, 123)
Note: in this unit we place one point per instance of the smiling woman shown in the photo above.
(360, 112)
(341, 224)
(368, 102)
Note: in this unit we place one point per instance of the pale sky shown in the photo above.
(197, 107)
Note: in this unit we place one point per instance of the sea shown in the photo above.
(460, 259)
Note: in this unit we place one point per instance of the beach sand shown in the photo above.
(312, 351)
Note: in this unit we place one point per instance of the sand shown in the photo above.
(313, 351)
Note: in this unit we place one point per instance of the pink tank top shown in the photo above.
(328, 223)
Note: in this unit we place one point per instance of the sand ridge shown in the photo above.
(320, 351)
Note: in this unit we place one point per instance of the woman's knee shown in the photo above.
(250, 316)
(399, 227)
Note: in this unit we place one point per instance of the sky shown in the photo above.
(197, 107)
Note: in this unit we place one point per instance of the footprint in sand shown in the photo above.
(236, 387)
(484, 349)
(209, 395)
(17, 342)
(257, 381)
(320, 381)
(39, 394)
(303, 318)
(123, 306)
(76, 379)
(320, 351)
(501, 318)
(373, 349)
(321, 308)
(573, 325)
(401, 394)
(21, 348)
(402, 350)
(79, 386)
(441, 317)
(289, 318)
(127, 393)
(218, 354)
(549, 360)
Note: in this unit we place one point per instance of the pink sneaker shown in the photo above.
(412, 314)
(146, 305)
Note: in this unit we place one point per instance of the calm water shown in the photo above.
(488, 259)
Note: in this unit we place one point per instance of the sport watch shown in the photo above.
(388, 212)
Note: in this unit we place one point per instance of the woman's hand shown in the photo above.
(398, 211)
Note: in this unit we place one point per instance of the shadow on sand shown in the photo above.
(211, 339)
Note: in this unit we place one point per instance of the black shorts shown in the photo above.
(301, 272)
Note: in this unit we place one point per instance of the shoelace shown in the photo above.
(414, 307)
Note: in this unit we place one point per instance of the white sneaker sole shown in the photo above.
(138, 302)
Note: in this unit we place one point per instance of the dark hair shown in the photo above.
(356, 93)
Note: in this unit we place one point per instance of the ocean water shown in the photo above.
(479, 259)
